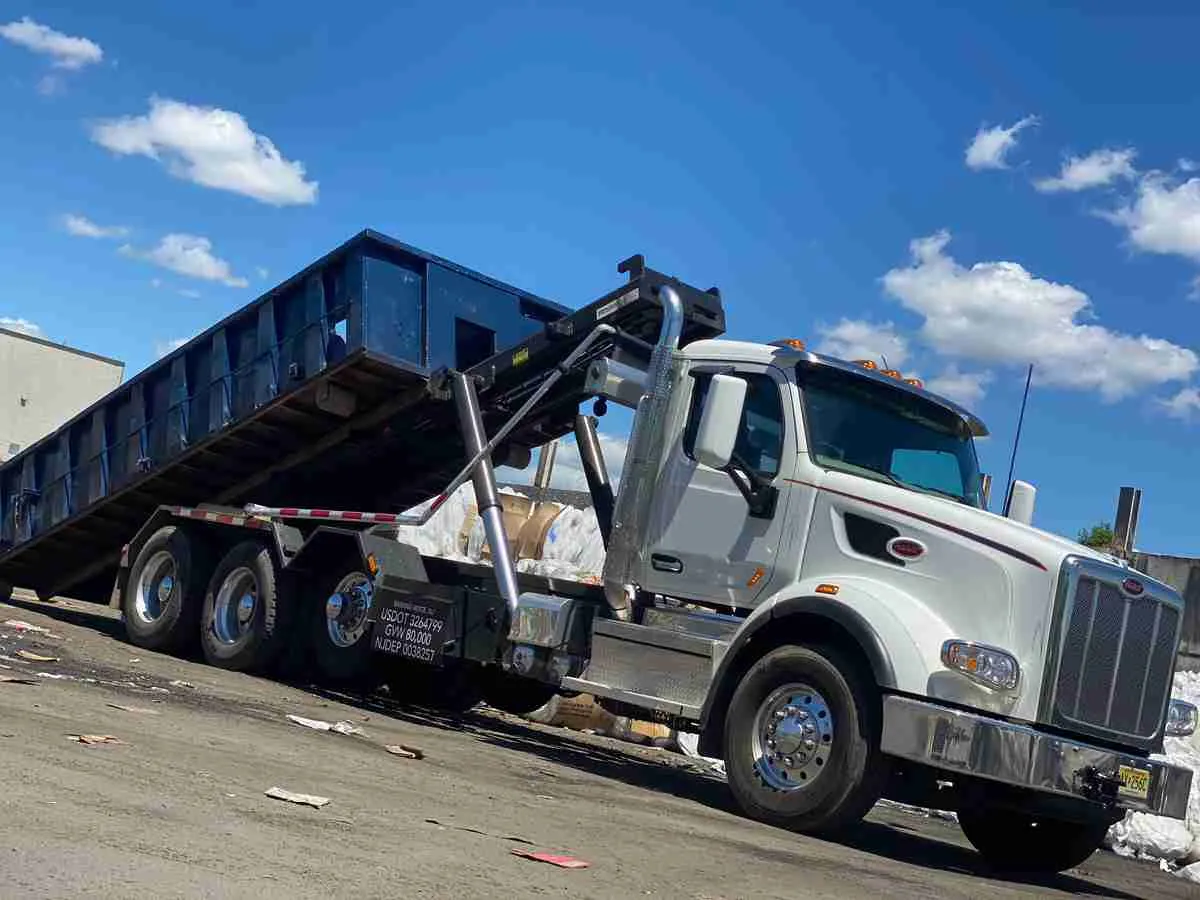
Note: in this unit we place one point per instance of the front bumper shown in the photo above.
(1021, 756)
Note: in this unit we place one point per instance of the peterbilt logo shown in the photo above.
(1133, 587)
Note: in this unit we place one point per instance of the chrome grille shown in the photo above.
(1116, 656)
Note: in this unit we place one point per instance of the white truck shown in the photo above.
(801, 569)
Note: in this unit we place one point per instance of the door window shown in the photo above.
(759, 442)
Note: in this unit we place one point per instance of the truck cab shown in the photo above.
(886, 634)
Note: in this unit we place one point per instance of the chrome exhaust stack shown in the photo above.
(642, 462)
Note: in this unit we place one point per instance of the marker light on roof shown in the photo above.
(790, 343)
(892, 373)
(866, 363)
(915, 382)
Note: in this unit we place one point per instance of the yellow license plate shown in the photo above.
(1135, 782)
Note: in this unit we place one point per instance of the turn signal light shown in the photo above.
(372, 564)
(990, 666)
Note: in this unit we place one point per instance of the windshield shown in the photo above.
(859, 426)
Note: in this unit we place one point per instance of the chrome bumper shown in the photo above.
(1018, 755)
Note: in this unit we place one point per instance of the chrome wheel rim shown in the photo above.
(235, 605)
(346, 610)
(793, 738)
(155, 586)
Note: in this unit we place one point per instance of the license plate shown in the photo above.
(1135, 782)
(413, 629)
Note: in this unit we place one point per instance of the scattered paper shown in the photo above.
(182, 684)
(135, 660)
(8, 679)
(133, 709)
(26, 626)
(322, 725)
(563, 862)
(278, 793)
(35, 657)
(90, 739)
(53, 676)
(404, 751)
(11, 659)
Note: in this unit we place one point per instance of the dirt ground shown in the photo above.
(177, 808)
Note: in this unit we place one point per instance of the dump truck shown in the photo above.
(801, 564)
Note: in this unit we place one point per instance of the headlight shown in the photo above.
(1181, 718)
(990, 666)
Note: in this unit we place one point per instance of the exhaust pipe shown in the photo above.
(642, 461)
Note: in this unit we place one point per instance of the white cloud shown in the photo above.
(859, 339)
(1184, 405)
(966, 388)
(211, 147)
(1163, 216)
(21, 326)
(82, 226)
(998, 312)
(1098, 168)
(191, 255)
(162, 348)
(65, 52)
(990, 146)
(1188, 165)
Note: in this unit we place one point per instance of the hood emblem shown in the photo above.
(905, 549)
(1133, 587)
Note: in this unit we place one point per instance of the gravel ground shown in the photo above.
(177, 808)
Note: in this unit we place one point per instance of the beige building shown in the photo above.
(43, 384)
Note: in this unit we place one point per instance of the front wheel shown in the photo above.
(802, 740)
(1018, 842)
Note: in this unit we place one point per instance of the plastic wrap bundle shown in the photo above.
(1154, 837)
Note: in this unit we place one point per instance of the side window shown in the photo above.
(760, 434)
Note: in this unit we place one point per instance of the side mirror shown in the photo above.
(985, 490)
(719, 421)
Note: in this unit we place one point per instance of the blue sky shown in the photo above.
(810, 159)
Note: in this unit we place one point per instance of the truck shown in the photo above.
(801, 567)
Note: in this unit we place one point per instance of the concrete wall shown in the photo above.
(1183, 574)
(43, 384)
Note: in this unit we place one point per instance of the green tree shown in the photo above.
(1098, 537)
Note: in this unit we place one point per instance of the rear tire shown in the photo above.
(1012, 841)
(802, 740)
(165, 592)
(241, 626)
(342, 646)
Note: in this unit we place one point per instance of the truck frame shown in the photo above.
(799, 612)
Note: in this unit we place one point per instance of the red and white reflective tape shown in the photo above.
(205, 515)
(342, 515)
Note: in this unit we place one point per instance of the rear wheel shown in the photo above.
(165, 591)
(241, 623)
(802, 740)
(340, 633)
(1018, 842)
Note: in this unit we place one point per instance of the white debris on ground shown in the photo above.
(573, 550)
(1175, 844)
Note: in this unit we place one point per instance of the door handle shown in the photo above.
(663, 563)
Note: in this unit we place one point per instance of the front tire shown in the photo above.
(165, 591)
(1012, 841)
(241, 625)
(802, 740)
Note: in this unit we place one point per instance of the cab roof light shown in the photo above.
(915, 382)
(866, 363)
(892, 373)
(789, 343)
